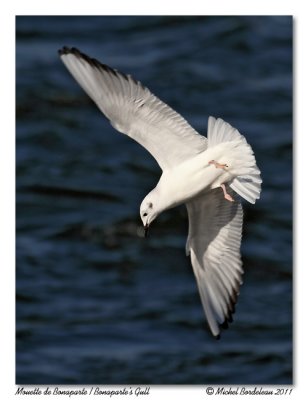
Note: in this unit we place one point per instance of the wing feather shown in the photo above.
(134, 110)
(214, 239)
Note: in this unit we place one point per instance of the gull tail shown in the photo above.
(247, 182)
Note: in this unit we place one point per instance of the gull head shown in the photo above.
(149, 210)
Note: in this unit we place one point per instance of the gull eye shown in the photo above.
(145, 214)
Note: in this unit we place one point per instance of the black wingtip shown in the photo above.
(96, 64)
(69, 50)
(64, 50)
(224, 325)
(92, 61)
(217, 337)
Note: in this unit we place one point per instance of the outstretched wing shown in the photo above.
(214, 240)
(133, 110)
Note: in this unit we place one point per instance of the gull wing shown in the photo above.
(133, 110)
(214, 240)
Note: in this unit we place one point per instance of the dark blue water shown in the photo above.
(96, 303)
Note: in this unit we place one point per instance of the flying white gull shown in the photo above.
(207, 174)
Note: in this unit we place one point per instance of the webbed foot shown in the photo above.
(226, 195)
(218, 165)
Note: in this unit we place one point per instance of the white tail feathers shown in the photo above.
(219, 131)
(248, 187)
(247, 183)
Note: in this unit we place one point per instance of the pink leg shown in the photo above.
(226, 195)
(218, 165)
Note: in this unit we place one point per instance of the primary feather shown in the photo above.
(133, 110)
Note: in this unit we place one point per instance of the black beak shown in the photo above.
(146, 230)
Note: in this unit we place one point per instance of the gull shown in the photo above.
(209, 175)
